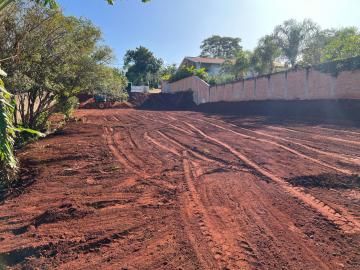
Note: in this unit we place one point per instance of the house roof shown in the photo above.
(205, 60)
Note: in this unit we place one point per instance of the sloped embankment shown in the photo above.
(162, 101)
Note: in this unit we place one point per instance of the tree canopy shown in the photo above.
(51, 58)
(345, 43)
(50, 3)
(220, 47)
(143, 68)
(265, 54)
(292, 38)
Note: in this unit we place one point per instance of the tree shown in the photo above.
(108, 81)
(256, 64)
(239, 66)
(143, 68)
(265, 54)
(54, 58)
(292, 37)
(314, 50)
(220, 47)
(50, 3)
(345, 43)
(14, 39)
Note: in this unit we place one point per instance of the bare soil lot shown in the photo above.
(132, 189)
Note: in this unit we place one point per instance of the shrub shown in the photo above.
(221, 79)
(67, 105)
(186, 72)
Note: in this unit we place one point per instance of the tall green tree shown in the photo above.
(293, 36)
(143, 68)
(314, 49)
(220, 47)
(265, 54)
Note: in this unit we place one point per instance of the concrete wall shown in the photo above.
(199, 87)
(301, 84)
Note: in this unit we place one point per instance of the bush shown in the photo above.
(67, 105)
(221, 79)
(186, 72)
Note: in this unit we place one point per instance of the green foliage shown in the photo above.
(109, 82)
(345, 43)
(45, 68)
(185, 72)
(221, 47)
(237, 67)
(8, 132)
(168, 71)
(263, 58)
(335, 67)
(67, 105)
(143, 68)
(314, 50)
(221, 79)
(292, 36)
(50, 3)
(59, 58)
(8, 162)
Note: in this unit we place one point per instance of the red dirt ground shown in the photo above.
(129, 189)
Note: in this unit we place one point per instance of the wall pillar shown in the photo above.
(286, 85)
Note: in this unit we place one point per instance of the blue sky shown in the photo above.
(173, 29)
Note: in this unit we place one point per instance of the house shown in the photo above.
(212, 65)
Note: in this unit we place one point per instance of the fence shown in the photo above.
(297, 84)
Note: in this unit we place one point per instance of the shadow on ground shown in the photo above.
(334, 181)
(309, 112)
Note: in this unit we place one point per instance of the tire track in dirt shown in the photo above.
(223, 164)
(108, 135)
(173, 141)
(131, 158)
(345, 221)
(354, 161)
(184, 147)
(180, 148)
(269, 226)
(189, 132)
(289, 149)
(315, 136)
(168, 149)
(339, 130)
(225, 254)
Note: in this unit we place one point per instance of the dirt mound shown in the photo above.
(91, 104)
(137, 99)
(180, 100)
(338, 181)
(122, 105)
